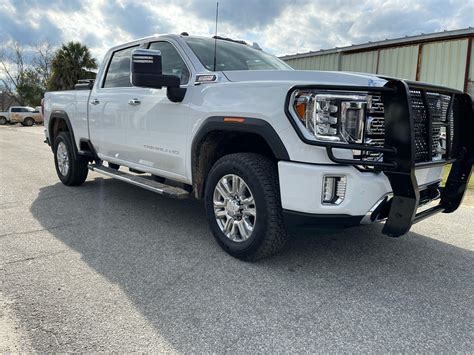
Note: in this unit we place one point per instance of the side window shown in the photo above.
(118, 74)
(24, 109)
(15, 109)
(171, 61)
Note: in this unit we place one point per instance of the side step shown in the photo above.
(162, 189)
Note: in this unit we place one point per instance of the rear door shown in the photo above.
(15, 114)
(157, 134)
(108, 115)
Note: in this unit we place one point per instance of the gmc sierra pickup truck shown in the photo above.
(266, 147)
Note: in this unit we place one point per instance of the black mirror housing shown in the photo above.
(146, 71)
(145, 68)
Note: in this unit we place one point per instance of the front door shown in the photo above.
(157, 134)
(108, 115)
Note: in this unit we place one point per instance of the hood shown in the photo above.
(306, 77)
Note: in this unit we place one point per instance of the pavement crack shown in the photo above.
(42, 229)
(32, 258)
(231, 345)
(51, 332)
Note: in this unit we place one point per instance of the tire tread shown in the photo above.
(266, 172)
(78, 169)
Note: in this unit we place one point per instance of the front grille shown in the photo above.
(433, 119)
(420, 120)
(375, 127)
(438, 105)
(436, 108)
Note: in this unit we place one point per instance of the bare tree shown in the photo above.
(24, 73)
(13, 68)
(42, 61)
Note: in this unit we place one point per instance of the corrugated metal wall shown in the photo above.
(399, 62)
(470, 79)
(321, 62)
(364, 62)
(442, 62)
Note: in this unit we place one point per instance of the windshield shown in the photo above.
(233, 56)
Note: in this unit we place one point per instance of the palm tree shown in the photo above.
(72, 62)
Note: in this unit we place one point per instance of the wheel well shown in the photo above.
(57, 125)
(215, 145)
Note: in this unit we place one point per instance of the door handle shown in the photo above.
(95, 102)
(134, 102)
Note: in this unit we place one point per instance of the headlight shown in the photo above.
(331, 117)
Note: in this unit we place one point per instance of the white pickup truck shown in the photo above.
(268, 148)
(25, 115)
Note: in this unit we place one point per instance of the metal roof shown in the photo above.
(445, 35)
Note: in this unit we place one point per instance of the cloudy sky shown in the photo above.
(279, 26)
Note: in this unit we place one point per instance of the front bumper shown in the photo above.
(401, 167)
(301, 192)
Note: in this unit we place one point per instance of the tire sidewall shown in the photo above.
(29, 122)
(62, 137)
(224, 168)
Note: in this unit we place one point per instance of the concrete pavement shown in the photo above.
(111, 267)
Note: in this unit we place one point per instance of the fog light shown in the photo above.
(334, 190)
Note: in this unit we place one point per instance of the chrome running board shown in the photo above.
(151, 185)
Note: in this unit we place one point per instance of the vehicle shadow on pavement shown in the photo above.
(345, 290)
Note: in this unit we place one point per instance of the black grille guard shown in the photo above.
(399, 134)
(399, 152)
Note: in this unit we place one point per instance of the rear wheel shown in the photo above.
(3, 120)
(28, 122)
(243, 206)
(72, 171)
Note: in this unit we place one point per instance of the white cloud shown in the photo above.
(279, 26)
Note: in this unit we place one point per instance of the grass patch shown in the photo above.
(446, 170)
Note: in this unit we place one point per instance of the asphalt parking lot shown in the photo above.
(112, 267)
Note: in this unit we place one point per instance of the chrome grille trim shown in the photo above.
(429, 105)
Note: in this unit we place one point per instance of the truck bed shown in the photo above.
(75, 103)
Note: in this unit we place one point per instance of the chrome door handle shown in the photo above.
(95, 102)
(134, 102)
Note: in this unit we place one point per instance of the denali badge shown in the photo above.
(163, 150)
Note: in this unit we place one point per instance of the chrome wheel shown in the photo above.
(234, 208)
(62, 158)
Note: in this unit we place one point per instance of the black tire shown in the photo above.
(28, 122)
(261, 176)
(77, 172)
(113, 166)
(3, 120)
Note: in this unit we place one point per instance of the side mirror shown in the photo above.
(146, 71)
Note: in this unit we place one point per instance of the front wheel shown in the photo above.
(243, 206)
(28, 122)
(72, 171)
(3, 120)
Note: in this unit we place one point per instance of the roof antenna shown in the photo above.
(215, 36)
